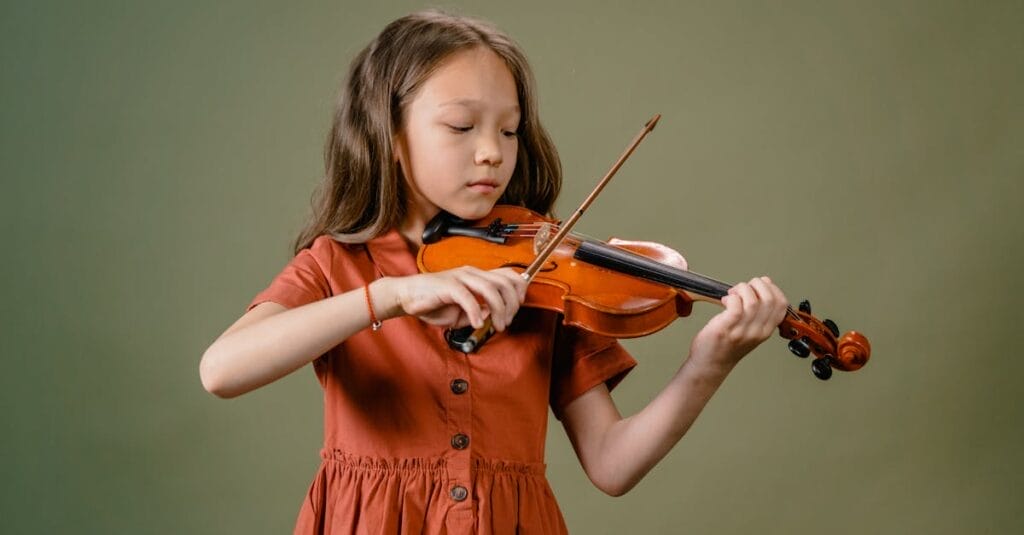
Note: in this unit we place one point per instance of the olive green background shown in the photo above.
(158, 159)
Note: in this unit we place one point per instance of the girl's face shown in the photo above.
(457, 143)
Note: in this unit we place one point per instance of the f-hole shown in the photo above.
(550, 265)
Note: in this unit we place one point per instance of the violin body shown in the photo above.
(594, 298)
(622, 291)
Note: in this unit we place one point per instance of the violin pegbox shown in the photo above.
(807, 334)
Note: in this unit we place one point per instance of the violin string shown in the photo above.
(529, 230)
(517, 224)
(524, 225)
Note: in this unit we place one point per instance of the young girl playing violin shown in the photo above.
(440, 113)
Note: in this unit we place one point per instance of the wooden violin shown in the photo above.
(620, 291)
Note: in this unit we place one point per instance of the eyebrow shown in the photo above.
(472, 103)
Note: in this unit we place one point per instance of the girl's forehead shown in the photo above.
(475, 77)
(474, 103)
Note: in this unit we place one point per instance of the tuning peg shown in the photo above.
(832, 327)
(822, 368)
(805, 306)
(800, 347)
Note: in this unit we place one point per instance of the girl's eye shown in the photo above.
(460, 128)
(510, 133)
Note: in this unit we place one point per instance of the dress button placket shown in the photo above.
(460, 417)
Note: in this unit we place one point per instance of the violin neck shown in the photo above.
(627, 262)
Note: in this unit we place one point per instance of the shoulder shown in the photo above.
(327, 251)
(326, 264)
(326, 244)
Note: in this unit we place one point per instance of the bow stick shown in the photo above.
(476, 339)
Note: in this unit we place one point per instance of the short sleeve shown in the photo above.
(583, 360)
(302, 281)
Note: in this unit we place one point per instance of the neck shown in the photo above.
(413, 234)
(412, 228)
(417, 213)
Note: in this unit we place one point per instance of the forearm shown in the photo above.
(257, 354)
(634, 445)
(617, 452)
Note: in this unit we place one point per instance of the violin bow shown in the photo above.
(477, 338)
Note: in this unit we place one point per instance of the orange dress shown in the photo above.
(422, 438)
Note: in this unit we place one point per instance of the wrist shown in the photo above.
(711, 360)
(384, 299)
(710, 367)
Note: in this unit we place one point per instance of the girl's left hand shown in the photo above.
(752, 312)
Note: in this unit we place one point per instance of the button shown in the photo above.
(459, 386)
(460, 441)
(459, 493)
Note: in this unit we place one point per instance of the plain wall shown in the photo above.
(158, 159)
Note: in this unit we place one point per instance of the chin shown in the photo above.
(471, 212)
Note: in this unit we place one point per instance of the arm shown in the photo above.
(270, 341)
(617, 452)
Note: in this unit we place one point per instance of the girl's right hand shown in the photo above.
(459, 297)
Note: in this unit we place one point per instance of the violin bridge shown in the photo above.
(543, 236)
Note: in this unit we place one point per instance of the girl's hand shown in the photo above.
(461, 296)
(752, 312)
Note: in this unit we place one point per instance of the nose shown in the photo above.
(488, 150)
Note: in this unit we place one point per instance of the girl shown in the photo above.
(439, 113)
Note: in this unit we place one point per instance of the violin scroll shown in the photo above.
(807, 334)
(854, 351)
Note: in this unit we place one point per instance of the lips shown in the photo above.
(484, 185)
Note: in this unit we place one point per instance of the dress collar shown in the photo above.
(390, 253)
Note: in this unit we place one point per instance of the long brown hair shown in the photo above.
(362, 194)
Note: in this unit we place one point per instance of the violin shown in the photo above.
(622, 291)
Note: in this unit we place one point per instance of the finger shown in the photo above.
(767, 308)
(507, 283)
(764, 292)
(780, 299)
(777, 301)
(756, 311)
(461, 319)
(733, 304)
(518, 281)
(777, 294)
(513, 280)
(489, 296)
(750, 300)
(461, 295)
(489, 287)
